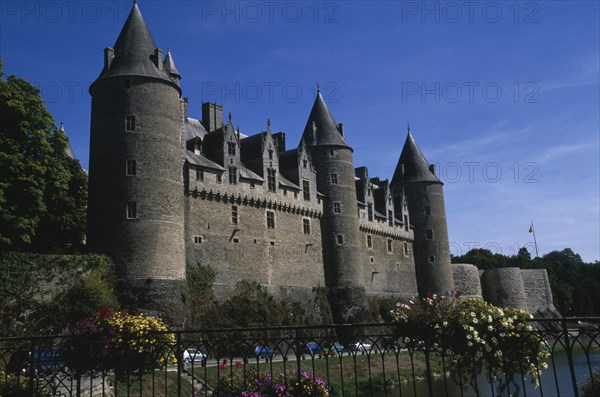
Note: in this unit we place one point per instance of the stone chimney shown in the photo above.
(212, 116)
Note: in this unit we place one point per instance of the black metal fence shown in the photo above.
(352, 360)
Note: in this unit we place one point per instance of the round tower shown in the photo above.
(425, 197)
(332, 158)
(135, 203)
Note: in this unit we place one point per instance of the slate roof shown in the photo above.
(192, 129)
(416, 167)
(202, 161)
(169, 65)
(134, 50)
(287, 183)
(327, 132)
(249, 174)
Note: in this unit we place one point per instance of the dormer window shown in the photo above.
(231, 148)
(197, 148)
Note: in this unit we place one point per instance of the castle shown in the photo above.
(166, 189)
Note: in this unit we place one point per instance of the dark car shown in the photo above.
(44, 360)
(262, 351)
(313, 348)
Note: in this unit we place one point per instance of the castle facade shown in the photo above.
(167, 189)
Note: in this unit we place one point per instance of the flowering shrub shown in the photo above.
(474, 336)
(305, 385)
(120, 341)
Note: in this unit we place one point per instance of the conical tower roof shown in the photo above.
(321, 128)
(134, 50)
(412, 165)
(170, 67)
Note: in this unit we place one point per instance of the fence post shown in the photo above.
(569, 348)
(179, 360)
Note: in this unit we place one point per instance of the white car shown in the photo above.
(361, 346)
(194, 355)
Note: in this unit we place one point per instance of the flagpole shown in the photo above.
(534, 240)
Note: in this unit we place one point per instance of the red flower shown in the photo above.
(238, 364)
(222, 366)
(106, 312)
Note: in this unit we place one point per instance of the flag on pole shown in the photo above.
(531, 228)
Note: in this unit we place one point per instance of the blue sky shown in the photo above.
(503, 96)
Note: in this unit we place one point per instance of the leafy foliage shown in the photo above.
(40, 294)
(42, 190)
(473, 335)
(18, 386)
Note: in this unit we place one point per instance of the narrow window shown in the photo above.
(285, 192)
(271, 180)
(270, 154)
(370, 212)
(427, 210)
(391, 218)
(339, 239)
(369, 241)
(295, 195)
(371, 259)
(252, 185)
(131, 168)
(219, 178)
(337, 208)
(334, 179)
(405, 249)
(270, 220)
(406, 222)
(231, 148)
(130, 123)
(390, 246)
(429, 234)
(131, 210)
(234, 215)
(199, 175)
(306, 225)
(306, 189)
(232, 175)
(304, 162)
(197, 239)
(431, 258)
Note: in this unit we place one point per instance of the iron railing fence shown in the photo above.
(352, 360)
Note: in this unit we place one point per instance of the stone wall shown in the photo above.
(537, 291)
(282, 257)
(466, 280)
(504, 287)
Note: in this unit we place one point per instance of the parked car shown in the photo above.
(361, 346)
(193, 355)
(313, 348)
(44, 360)
(262, 351)
(334, 348)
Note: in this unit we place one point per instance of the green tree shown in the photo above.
(42, 190)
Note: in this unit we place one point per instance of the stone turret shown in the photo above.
(425, 197)
(342, 253)
(135, 205)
